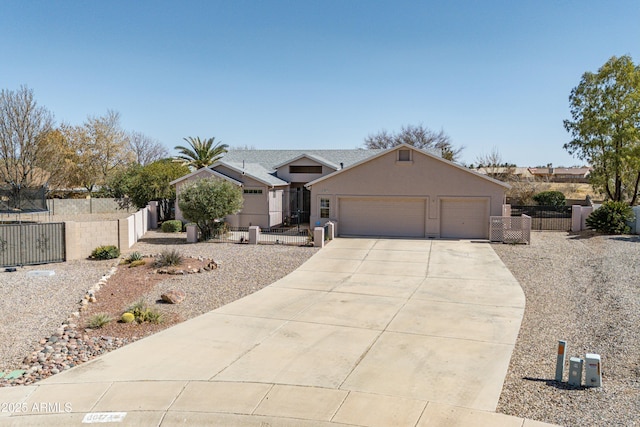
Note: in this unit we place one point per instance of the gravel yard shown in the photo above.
(584, 289)
(581, 288)
(32, 308)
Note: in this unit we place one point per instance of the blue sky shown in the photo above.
(319, 74)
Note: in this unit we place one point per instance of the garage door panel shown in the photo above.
(464, 218)
(385, 216)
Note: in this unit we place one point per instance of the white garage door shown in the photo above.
(382, 216)
(464, 218)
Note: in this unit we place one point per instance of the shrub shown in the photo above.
(168, 258)
(142, 313)
(172, 226)
(611, 218)
(127, 317)
(105, 252)
(99, 320)
(134, 256)
(550, 198)
(207, 201)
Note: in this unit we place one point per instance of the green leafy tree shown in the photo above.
(139, 185)
(611, 218)
(207, 201)
(418, 136)
(605, 127)
(200, 154)
(550, 198)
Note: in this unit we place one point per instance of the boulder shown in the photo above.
(174, 296)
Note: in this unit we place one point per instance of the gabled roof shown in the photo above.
(411, 147)
(252, 170)
(314, 157)
(209, 171)
(270, 160)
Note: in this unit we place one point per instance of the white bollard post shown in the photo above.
(575, 371)
(562, 353)
(592, 371)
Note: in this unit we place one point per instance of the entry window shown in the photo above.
(252, 191)
(404, 155)
(324, 208)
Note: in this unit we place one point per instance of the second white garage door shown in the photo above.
(462, 218)
(382, 216)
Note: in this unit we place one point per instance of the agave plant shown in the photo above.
(200, 153)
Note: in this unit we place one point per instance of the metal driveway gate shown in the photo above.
(546, 217)
(28, 244)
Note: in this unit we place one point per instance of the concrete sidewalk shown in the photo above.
(368, 332)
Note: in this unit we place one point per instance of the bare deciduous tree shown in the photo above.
(22, 146)
(146, 149)
(418, 136)
(100, 147)
(491, 163)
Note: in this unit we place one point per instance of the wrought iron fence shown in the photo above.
(229, 234)
(297, 236)
(29, 244)
(546, 217)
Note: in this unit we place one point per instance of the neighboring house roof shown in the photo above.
(517, 171)
(581, 172)
(426, 153)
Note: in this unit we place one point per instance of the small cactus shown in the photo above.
(127, 317)
(137, 263)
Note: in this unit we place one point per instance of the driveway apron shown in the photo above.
(368, 332)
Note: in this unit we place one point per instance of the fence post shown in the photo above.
(576, 218)
(318, 237)
(254, 235)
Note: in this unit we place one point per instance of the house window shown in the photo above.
(324, 208)
(252, 191)
(404, 155)
(305, 169)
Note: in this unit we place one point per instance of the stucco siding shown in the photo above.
(284, 174)
(423, 176)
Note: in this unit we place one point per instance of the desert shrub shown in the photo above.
(168, 258)
(550, 198)
(142, 313)
(172, 226)
(99, 320)
(611, 218)
(127, 317)
(134, 256)
(207, 201)
(105, 252)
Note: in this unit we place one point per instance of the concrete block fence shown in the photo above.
(81, 238)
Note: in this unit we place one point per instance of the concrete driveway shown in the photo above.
(368, 332)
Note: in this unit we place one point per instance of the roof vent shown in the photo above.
(341, 165)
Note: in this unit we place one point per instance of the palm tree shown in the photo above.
(200, 153)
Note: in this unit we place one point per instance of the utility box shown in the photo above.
(592, 371)
(575, 371)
